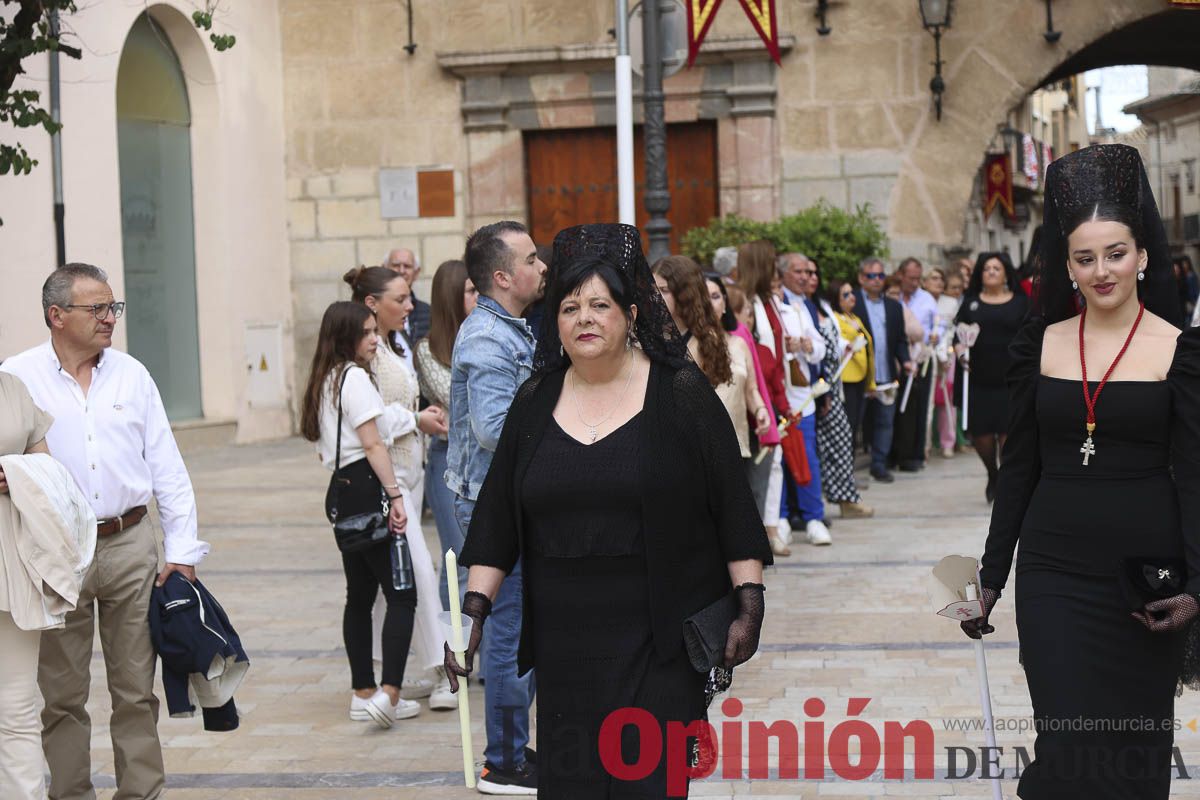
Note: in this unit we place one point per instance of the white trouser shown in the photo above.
(427, 631)
(21, 763)
(774, 488)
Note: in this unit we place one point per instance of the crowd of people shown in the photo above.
(616, 450)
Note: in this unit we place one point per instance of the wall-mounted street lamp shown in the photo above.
(1051, 35)
(935, 17)
(411, 47)
(822, 9)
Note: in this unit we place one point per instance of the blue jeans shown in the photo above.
(506, 697)
(884, 418)
(441, 502)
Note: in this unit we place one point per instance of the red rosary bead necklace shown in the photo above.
(1089, 400)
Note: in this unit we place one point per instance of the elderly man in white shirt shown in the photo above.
(111, 432)
(806, 349)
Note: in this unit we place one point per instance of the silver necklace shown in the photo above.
(592, 429)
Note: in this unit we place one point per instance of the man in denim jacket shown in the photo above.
(493, 356)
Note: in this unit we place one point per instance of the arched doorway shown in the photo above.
(154, 143)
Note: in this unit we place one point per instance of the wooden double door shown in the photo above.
(571, 178)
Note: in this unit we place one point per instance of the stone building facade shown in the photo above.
(319, 97)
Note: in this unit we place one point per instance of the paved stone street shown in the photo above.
(851, 620)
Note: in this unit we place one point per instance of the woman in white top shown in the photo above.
(340, 384)
(388, 296)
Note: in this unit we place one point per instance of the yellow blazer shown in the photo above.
(862, 364)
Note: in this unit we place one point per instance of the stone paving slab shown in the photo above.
(843, 622)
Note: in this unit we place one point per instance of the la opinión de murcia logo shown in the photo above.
(741, 748)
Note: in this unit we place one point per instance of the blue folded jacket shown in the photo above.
(202, 657)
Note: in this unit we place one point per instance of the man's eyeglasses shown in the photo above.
(874, 276)
(100, 310)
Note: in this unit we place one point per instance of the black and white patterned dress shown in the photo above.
(835, 443)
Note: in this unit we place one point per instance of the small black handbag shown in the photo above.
(350, 499)
(1146, 579)
(706, 632)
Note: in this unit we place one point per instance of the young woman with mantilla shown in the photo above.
(617, 481)
(1100, 483)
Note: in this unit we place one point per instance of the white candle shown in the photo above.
(459, 649)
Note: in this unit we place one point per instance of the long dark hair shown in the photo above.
(337, 349)
(975, 287)
(447, 311)
(695, 309)
(367, 282)
(729, 322)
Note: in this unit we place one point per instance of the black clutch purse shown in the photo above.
(1146, 579)
(706, 631)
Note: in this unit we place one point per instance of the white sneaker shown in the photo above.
(358, 708)
(416, 688)
(442, 699)
(818, 534)
(784, 531)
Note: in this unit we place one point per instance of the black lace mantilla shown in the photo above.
(621, 246)
(1111, 173)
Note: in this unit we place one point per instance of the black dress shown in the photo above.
(589, 608)
(987, 400)
(1101, 684)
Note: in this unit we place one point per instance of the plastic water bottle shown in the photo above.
(402, 566)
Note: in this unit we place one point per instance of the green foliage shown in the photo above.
(701, 243)
(203, 20)
(837, 240)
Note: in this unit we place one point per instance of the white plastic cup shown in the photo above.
(447, 623)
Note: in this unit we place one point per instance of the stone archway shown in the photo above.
(991, 67)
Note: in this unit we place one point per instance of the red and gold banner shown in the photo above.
(701, 13)
(762, 17)
(700, 16)
(1187, 3)
(997, 184)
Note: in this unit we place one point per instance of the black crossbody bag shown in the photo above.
(350, 500)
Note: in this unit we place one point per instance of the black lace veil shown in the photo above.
(1110, 173)
(620, 246)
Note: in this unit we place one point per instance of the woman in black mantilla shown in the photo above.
(1103, 492)
(618, 480)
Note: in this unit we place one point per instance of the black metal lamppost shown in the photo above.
(935, 17)
(658, 195)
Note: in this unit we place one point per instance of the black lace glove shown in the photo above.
(742, 640)
(477, 607)
(976, 628)
(1171, 614)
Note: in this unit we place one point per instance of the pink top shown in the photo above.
(771, 437)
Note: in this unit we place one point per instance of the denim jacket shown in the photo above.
(493, 356)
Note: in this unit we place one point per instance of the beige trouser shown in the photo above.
(21, 765)
(117, 591)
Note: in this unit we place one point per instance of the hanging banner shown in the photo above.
(701, 13)
(1187, 3)
(997, 183)
(762, 17)
(700, 16)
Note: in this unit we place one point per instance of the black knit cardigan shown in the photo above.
(698, 512)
